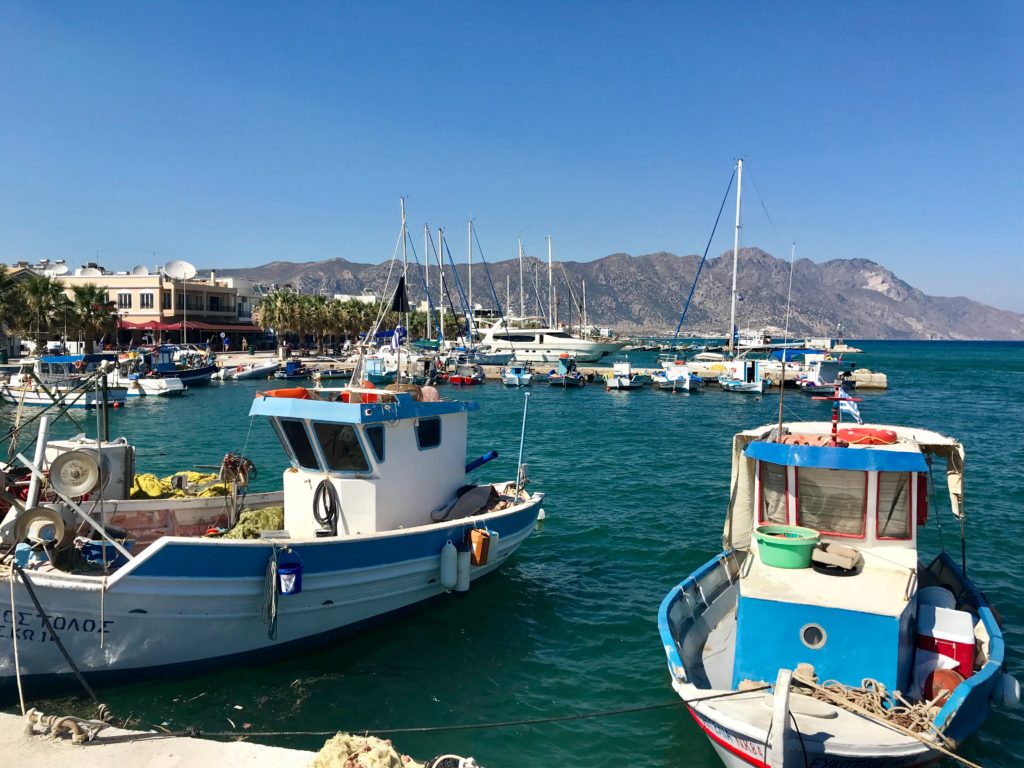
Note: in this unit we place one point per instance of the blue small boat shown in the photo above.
(293, 369)
(818, 636)
(567, 375)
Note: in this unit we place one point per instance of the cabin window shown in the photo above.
(295, 436)
(831, 501)
(340, 446)
(773, 507)
(428, 433)
(515, 338)
(893, 505)
(375, 436)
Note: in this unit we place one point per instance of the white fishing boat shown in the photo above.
(256, 370)
(676, 376)
(567, 375)
(531, 340)
(820, 636)
(622, 377)
(134, 375)
(71, 381)
(517, 376)
(377, 519)
(745, 376)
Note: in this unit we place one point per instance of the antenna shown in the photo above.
(140, 269)
(90, 272)
(181, 270)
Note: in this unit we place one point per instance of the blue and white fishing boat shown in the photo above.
(676, 376)
(818, 636)
(71, 381)
(293, 369)
(377, 519)
(191, 365)
(517, 376)
(745, 376)
(622, 377)
(567, 375)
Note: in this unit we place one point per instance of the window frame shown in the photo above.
(760, 493)
(864, 510)
(146, 300)
(911, 512)
(124, 300)
(440, 437)
(377, 428)
(325, 457)
(290, 449)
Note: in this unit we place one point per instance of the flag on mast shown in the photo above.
(400, 301)
(849, 407)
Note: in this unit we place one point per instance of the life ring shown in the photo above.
(867, 436)
(78, 365)
(239, 369)
(299, 393)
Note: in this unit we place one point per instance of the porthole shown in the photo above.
(813, 636)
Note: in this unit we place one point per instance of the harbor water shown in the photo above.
(637, 487)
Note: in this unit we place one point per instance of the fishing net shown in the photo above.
(346, 751)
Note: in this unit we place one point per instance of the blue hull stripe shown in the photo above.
(863, 459)
(225, 560)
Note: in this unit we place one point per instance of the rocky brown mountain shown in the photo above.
(645, 294)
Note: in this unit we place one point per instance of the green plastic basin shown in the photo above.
(786, 546)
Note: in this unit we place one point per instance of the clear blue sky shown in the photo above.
(236, 133)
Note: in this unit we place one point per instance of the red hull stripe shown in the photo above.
(726, 745)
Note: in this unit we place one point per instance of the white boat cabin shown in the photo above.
(394, 462)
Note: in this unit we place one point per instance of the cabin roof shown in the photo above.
(851, 458)
(357, 413)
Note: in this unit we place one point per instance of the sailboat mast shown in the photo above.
(508, 293)
(522, 295)
(735, 256)
(551, 290)
(469, 243)
(405, 283)
(426, 270)
(440, 267)
(583, 318)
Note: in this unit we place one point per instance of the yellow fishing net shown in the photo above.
(347, 751)
(252, 521)
(148, 486)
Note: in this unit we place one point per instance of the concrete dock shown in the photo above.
(137, 749)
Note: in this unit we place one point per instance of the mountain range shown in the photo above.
(644, 295)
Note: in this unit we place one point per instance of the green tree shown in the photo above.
(44, 303)
(92, 313)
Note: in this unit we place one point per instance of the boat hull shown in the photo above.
(186, 603)
(116, 397)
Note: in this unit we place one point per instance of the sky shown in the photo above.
(232, 134)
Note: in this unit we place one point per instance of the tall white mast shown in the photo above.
(469, 242)
(508, 294)
(440, 268)
(405, 282)
(551, 293)
(584, 318)
(735, 256)
(426, 271)
(522, 294)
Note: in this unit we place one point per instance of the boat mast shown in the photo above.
(735, 256)
(583, 316)
(426, 271)
(551, 293)
(405, 282)
(522, 296)
(508, 295)
(440, 267)
(469, 242)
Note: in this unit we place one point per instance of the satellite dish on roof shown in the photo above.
(90, 272)
(58, 269)
(179, 270)
(140, 269)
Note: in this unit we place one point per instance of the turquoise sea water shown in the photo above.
(637, 486)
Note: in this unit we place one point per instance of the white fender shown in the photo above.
(449, 566)
(462, 581)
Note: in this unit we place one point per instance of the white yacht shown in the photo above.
(532, 340)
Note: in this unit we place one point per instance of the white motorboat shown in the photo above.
(622, 377)
(258, 370)
(530, 340)
(517, 376)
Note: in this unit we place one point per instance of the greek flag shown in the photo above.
(849, 407)
(397, 336)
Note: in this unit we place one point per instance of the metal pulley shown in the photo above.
(77, 473)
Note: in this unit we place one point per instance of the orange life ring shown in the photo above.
(299, 393)
(78, 365)
(239, 369)
(867, 436)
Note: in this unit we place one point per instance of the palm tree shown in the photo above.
(44, 302)
(93, 314)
